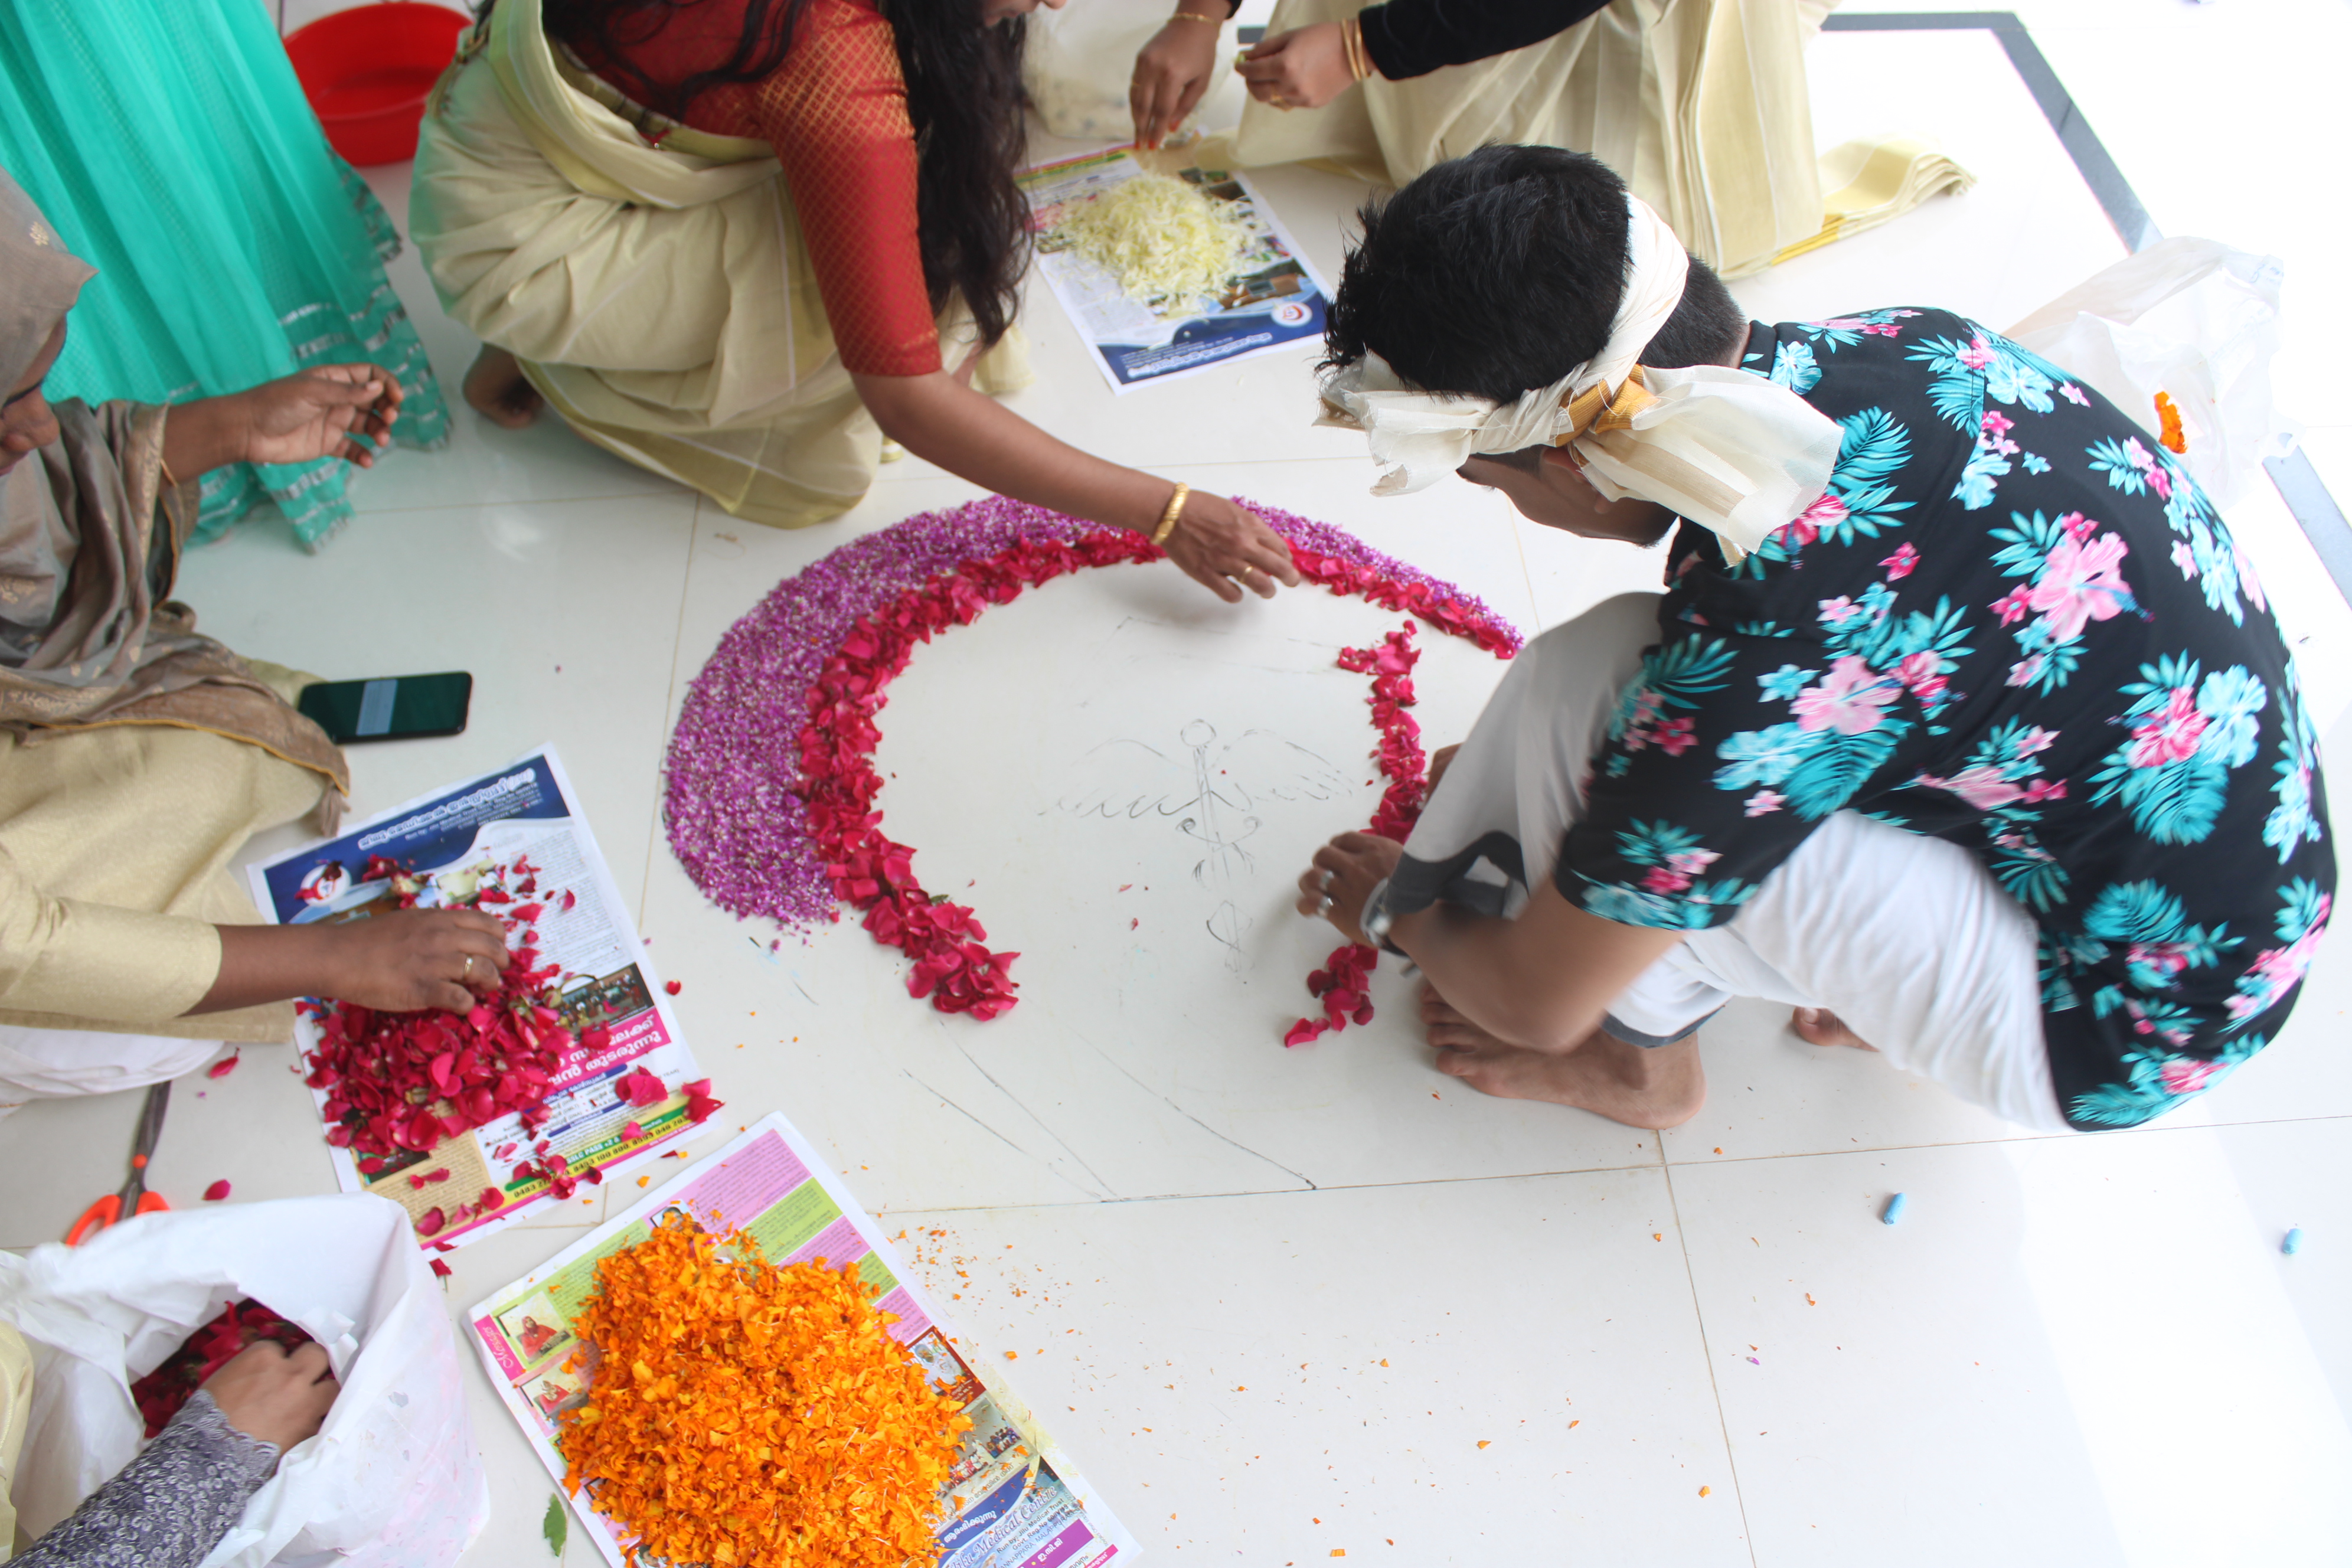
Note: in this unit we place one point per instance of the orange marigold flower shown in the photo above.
(745, 1413)
(2171, 435)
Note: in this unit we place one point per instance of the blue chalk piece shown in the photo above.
(1894, 1209)
(2293, 1242)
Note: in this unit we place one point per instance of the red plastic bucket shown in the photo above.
(368, 71)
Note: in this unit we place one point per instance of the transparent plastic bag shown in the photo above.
(2196, 320)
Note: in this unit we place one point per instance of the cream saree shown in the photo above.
(1700, 106)
(660, 297)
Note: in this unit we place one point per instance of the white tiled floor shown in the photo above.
(1234, 1274)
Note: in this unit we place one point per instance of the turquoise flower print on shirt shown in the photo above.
(2293, 823)
(2002, 777)
(1873, 448)
(1794, 367)
(1672, 678)
(1986, 368)
(2302, 921)
(2173, 774)
(2149, 923)
(1843, 332)
(2074, 577)
(2205, 553)
(2157, 1081)
(1783, 684)
(1669, 895)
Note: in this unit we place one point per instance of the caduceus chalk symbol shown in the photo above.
(1213, 792)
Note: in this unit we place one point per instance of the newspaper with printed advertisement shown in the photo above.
(1013, 1500)
(473, 845)
(1272, 301)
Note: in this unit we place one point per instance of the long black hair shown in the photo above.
(963, 94)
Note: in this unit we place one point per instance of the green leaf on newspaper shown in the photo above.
(556, 1525)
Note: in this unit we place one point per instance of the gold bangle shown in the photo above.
(1359, 59)
(1196, 16)
(1169, 519)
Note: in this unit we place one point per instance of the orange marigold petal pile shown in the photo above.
(744, 1412)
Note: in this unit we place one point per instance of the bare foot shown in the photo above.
(1661, 1087)
(1819, 1026)
(496, 389)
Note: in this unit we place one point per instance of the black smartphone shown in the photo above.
(396, 708)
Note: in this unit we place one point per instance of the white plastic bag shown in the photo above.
(2194, 320)
(391, 1480)
(1080, 59)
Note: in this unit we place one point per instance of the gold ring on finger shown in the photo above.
(467, 972)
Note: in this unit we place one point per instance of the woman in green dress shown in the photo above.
(172, 147)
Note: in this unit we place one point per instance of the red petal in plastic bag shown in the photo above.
(223, 1067)
(216, 1192)
(438, 1267)
(673, 986)
(430, 1222)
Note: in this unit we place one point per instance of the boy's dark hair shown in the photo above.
(1500, 272)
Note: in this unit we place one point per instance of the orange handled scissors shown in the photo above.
(134, 1198)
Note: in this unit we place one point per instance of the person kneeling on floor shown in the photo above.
(136, 756)
(1961, 723)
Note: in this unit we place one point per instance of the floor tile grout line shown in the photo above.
(1698, 1315)
(656, 842)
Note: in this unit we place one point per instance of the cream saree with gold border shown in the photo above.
(660, 297)
(1700, 106)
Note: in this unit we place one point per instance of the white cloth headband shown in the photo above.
(1731, 452)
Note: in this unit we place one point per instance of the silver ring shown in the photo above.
(1323, 905)
(467, 972)
(1328, 875)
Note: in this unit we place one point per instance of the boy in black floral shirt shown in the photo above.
(1990, 753)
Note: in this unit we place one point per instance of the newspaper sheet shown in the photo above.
(466, 841)
(1274, 299)
(1013, 1500)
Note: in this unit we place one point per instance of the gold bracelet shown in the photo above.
(1359, 59)
(1169, 519)
(1196, 16)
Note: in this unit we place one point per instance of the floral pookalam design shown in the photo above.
(2014, 621)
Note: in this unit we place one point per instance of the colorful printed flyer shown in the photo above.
(1013, 1500)
(1272, 301)
(474, 845)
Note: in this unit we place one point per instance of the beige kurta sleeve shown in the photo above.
(97, 961)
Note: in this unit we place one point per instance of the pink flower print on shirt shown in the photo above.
(1826, 512)
(2144, 461)
(2185, 558)
(1838, 611)
(1764, 801)
(1675, 736)
(2012, 606)
(2187, 1075)
(2080, 583)
(1899, 564)
(1996, 428)
(2171, 735)
(2277, 970)
(2078, 528)
(1978, 354)
(1680, 870)
(1850, 698)
(1981, 787)
(2073, 394)
(2035, 741)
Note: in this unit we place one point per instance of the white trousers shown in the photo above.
(53, 1064)
(1906, 938)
